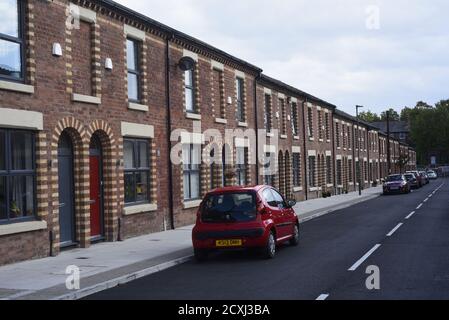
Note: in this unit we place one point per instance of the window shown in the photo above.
(296, 163)
(365, 170)
(137, 171)
(241, 166)
(312, 166)
(320, 125)
(310, 122)
(17, 175)
(189, 80)
(350, 170)
(283, 116)
(12, 53)
(268, 114)
(269, 198)
(132, 60)
(219, 92)
(268, 174)
(339, 173)
(357, 171)
(240, 96)
(191, 155)
(337, 134)
(295, 120)
(327, 124)
(229, 207)
(328, 170)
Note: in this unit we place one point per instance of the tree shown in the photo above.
(369, 116)
(394, 115)
(405, 114)
(402, 162)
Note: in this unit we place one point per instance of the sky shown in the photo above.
(375, 53)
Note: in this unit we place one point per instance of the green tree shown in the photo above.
(369, 116)
(405, 114)
(394, 115)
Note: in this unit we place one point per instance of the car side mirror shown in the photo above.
(291, 203)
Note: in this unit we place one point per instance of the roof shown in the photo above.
(172, 33)
(395, 126)
(272, 81)
(354, 119)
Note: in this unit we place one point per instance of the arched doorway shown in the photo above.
(96, 189)
(67, 225)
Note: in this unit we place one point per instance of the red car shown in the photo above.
(244, 218)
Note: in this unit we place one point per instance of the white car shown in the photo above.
(432, 175)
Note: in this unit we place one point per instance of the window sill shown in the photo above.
(128, 211)
(296, 138)
(270, 135)
(193, 116)
(330, 185)
(222, 121)
(192, 204)
(311, 139)
(297, 189)
(17, 87)
(22, 227)
(137, 107)
(313, 189)
(284, 136)
(85, 99)
(243, 124)
(321, 140)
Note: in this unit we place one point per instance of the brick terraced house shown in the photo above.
(96, 100)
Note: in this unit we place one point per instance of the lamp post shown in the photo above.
(358, 149)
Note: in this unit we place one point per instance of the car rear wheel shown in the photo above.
(295, 240)
(201, 255)
(270, 249)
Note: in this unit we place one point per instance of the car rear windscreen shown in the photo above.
(229, 207)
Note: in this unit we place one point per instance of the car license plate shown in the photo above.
(228, 243)
(394, 188)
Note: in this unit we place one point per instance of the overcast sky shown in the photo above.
(338, 50)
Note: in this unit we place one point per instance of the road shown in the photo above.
(406, 237)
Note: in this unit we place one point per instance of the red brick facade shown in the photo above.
(76, 95)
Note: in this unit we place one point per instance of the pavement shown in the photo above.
(390, 247)
(109, 265)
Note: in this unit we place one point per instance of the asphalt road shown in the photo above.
(409, 250)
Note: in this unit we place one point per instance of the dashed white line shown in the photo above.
(410, 215)
(364, 258)
(419, 207)
(322, 297)
(394, 230)
(425, 200)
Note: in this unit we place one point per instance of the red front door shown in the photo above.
(95, 197)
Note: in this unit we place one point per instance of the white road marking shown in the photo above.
(419, 207)
(410, 215)
(394, 230)
(322, 297)
(427, 199)
(364, 258)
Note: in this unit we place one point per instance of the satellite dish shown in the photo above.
(186, 63)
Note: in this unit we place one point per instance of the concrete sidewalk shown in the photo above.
(107, 265)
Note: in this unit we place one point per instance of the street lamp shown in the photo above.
(358, 149)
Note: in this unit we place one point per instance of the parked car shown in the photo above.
(236, 218)
(418, 177)
(432, 175)
(396, 183)
(424, 177)
(412, 180)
